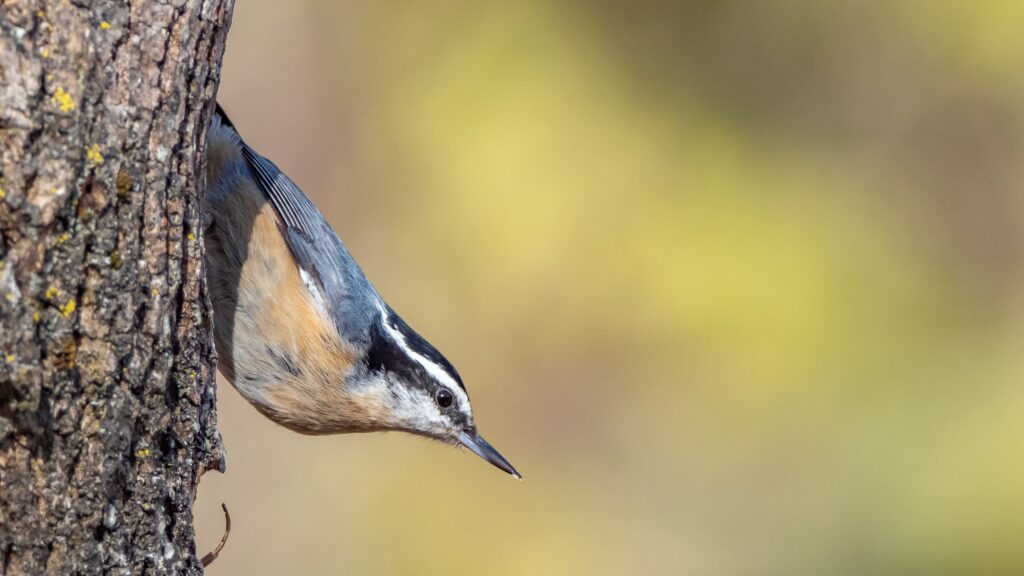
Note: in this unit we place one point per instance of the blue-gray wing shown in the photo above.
(295, 208)
(347, 294)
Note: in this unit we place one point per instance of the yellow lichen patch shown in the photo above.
(63, 99)
(35, 316)
(191, 237)
(51, 293)
(2, 194)
(93, 154)
(10, 358)
(68, 308)
(63, 238)
(41, 14)
(44, 52)
(142, 452)
(104, 25)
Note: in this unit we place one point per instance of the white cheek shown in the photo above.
(418, 410)
(409, 409)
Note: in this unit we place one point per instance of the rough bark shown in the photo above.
(107, 414)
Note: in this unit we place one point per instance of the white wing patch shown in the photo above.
(314, 290)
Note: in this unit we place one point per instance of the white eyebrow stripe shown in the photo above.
(429, 365)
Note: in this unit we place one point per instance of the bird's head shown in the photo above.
(416, 389)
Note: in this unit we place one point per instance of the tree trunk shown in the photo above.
(107, 393)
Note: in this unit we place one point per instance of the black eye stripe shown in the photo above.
(417, 344)
(385, 355)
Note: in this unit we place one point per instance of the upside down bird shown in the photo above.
(300, 332)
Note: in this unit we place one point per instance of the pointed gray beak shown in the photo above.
(481, 448)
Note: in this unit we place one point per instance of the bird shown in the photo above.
(299, 330)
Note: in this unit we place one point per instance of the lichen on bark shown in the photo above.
(107, 390)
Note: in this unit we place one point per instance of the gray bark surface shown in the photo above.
(107, 391)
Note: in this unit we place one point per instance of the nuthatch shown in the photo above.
(300, 332)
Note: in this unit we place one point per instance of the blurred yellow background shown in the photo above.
(738, 286)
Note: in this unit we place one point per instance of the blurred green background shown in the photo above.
(736, 285)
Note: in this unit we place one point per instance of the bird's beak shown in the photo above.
(481, 448)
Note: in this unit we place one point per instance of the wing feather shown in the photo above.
(295, 208)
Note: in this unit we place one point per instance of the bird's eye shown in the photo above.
(444, 398)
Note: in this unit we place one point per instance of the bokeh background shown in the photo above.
(738, 286)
